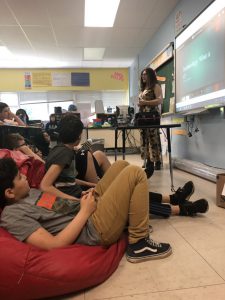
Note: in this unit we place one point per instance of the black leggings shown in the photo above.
(156, 207)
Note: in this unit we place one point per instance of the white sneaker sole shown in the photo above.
(150, 257)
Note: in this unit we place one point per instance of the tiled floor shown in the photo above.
(195, 270)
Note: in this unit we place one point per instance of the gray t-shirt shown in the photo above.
(37, 210)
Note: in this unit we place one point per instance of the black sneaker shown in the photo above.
(192, 208)
(158, 165)
(149, 170)
(183, 193)
(147, 249)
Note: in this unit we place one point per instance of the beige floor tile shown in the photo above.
(215, 258)
(215, 292)
(183, 269)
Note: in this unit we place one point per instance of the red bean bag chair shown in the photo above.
(27, 272)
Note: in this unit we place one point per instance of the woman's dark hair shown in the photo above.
(70, 128)
(8, 172)
(52, 122)
(12, 141)
(21, 113)
(2, 106)
(151, 79)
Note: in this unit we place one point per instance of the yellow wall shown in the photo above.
(100, 79)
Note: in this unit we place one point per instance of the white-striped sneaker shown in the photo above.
(147, 249)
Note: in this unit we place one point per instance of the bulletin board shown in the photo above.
(165, 74)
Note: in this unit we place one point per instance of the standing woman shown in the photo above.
(150, 98)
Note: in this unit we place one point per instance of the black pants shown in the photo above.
(156, 207)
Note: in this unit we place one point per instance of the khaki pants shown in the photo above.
(122, 198)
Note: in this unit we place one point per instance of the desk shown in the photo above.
(166, 126)
(108, 134)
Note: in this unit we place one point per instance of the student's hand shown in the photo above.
(87, 191)
(11, 115)
(88, 203)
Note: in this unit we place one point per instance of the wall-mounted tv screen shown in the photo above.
(200, 61)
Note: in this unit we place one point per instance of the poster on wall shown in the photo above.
(61, 79)
(80, 79)
(41, 79)
(27, 80)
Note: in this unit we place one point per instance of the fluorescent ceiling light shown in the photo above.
(100, 13)
(94, 53)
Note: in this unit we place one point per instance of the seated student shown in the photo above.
(61, 176)
(22, 114)
(48, 222)
(15, 141)
(7, 117)
(51, 129)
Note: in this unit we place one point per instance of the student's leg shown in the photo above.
(124, 198)
(102, 160)
(85, 166)
(156, 206)
(177, 204)
(110, 176)
(91, 174)
(154, 144)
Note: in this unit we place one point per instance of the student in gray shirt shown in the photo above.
(45, 220)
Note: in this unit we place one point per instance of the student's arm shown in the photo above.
(16, 119)
(45, 240)
(26, 150)
(154, 102)
(48, 180)
(85, 183)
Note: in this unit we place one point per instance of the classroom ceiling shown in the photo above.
(51, 33)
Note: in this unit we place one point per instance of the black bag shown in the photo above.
(147, 118)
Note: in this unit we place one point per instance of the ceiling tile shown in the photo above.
(29, 12)
(66, 12)
(134, 13)
(6, 18)
(40, 35)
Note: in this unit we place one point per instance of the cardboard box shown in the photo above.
(220, 190)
